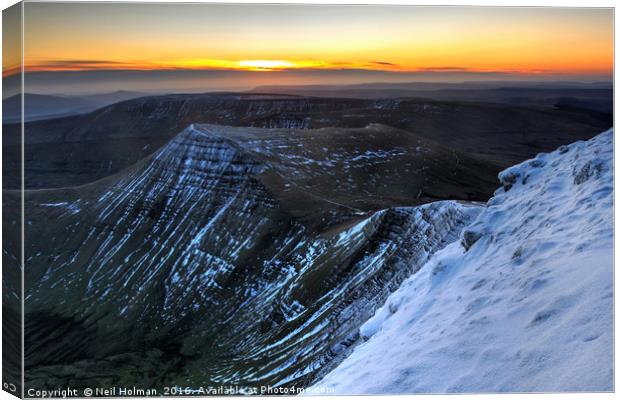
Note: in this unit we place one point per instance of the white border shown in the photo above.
(523, 3)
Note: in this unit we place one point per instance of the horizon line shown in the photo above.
(608, 74)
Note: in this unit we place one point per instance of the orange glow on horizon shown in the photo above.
(270, 38)
(8, 70)
(282, 65)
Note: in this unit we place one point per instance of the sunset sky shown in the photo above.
(297, 41)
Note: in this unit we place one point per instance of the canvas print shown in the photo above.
(295, 199)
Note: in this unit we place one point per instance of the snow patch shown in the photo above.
(522, 303)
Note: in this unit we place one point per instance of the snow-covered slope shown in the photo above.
(522, 303)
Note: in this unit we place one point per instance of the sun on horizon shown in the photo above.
(306, 44)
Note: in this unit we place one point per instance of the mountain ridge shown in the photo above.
(188, 251)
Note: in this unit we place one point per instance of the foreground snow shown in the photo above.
(522, 303)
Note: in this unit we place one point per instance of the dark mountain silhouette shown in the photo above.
(45, 106)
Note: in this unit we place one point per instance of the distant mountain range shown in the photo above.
(78, 149)
(471, 85)
(596, 96)
(43, 106)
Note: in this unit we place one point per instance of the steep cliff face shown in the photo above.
(522, 303)
(190, 266)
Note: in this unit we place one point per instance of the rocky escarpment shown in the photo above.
(188, 268)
